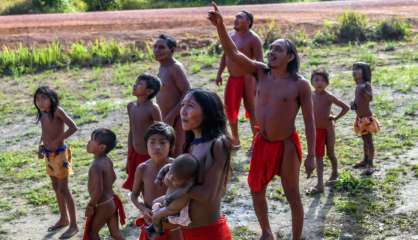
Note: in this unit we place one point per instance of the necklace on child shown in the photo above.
(197, 141)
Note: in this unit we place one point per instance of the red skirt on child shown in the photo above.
(121, 213)
(218, 230)
(134, 159)
(140, 222)
(266, 160)
(321, 140)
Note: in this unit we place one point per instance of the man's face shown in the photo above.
(161, 50)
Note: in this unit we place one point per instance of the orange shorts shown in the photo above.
(266, 160)
(234, 92)
(134, 159)
(366, 125)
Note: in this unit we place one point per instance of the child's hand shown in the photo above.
(89, 211)
(309, 165)
(147, 213)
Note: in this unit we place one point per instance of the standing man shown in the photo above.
(174, 86)
(240, 84)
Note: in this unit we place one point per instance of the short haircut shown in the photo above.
(322, 73)
(170, 41)
(106, 137)
(185, 166)
(365, 69)
(250, 17)
(163, 129)
(152, 82)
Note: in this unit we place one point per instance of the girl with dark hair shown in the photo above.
(203, 119)
(365, 124)
(277, 149)
(56, 154)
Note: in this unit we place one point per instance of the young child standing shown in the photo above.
(325, 127)
(365, 124)
(142, 113)
(179, 177)
(104, 207)
(57, 155)
(160, 139)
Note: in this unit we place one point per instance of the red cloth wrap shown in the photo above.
(218, 230)
(234, 92)
(266, 160)
(140, 222)
(134, 159)
(119, 209)
(321, 139)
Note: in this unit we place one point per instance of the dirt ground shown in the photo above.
(184, 23)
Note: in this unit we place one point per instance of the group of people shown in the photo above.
(179, 148)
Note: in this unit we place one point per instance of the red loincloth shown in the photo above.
(267, 159)
(321, 139)
(140, 222)
(218, 230)
(119, 209)
(234, 92)
(134, 159)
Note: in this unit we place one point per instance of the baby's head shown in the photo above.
(183, 169)
(319, 79)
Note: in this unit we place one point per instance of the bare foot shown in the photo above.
(58, 225)
(360, 164)
(315, 190)
(71, 231)
(331, 181)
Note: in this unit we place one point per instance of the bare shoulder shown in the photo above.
(60, 112)
(142, 168)
(303, 84)
(255, 37)
(221, 147)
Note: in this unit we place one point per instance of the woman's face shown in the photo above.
(191, 114)
(43, 102)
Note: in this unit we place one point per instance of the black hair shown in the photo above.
(365, 69)
(292, 66)
(213, 126)
(162, 129)
(214, 120)
(106, 137)
(171, 42)
(53, 98)
(250, 17)
(152, 82)
(185, 166)
(322, 73)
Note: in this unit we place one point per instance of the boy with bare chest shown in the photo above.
(325, 127)
(104, 206)
(174, 86)
(142, 114)
(160, 140)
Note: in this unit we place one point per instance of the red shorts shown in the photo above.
(140, 222)
(134, 159)
(234, 92)
(218, 230)
(266, 160)
(321, 140)
(119, 209)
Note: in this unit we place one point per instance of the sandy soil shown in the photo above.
(129, 26)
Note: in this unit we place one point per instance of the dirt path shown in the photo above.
(129, 26)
